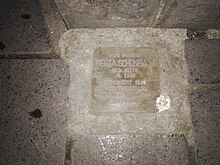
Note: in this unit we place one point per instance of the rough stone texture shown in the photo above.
(108, 13)
(203, 59)
(205, 109)
(200, 14)
(54, 22)
(198, 34)
(33, 111)
(78, 47)
(139, 149)
(22, 28)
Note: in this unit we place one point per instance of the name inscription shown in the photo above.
(125, 80)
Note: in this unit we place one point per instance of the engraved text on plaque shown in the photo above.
(125, 80)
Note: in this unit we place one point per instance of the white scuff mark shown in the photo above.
(163, 103)
(120, 155)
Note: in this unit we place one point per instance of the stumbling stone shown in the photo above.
(125, 80)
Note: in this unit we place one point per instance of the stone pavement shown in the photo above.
(22, 28)
(46, 116)
(204, 75)
(33, 111)
(193, 14)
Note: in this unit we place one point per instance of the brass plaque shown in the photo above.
(125, 80)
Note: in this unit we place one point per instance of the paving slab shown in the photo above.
(203, 58)
(205, 109)
(194, 14)
(108, 13)
(136, 149)
(33, 111)
(22, 28)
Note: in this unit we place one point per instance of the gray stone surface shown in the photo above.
(108, 13)
(54, 23)
(78, 47)
(205, 109)
(125, 149)
(203, 59)
(200, 14)
(33, 112)
(22, 28)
